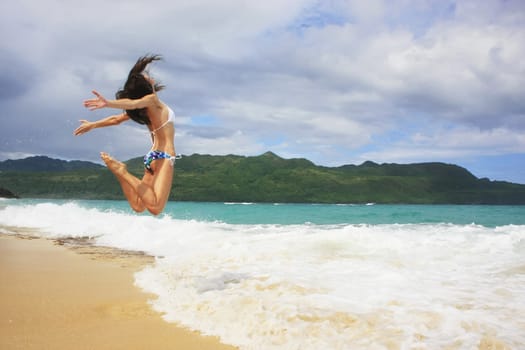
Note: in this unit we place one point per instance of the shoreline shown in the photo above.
(62, 294)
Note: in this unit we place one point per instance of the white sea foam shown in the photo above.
(238, 203)
(425, 286)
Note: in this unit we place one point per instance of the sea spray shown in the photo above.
(311, 286)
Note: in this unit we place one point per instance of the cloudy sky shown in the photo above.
(334, 81)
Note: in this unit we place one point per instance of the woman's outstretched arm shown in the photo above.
(86, 125)
(123, 103)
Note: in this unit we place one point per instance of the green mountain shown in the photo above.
(268, 178)
(43, 163)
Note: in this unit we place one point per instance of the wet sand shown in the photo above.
(55, 297)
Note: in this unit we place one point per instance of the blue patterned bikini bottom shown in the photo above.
(154, 155)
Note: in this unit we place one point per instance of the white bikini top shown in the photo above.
(171, 115)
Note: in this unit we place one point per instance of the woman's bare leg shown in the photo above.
(151, 192)
(131, 195)
(161, 183)
(119, 169)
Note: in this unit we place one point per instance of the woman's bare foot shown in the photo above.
(116, 167)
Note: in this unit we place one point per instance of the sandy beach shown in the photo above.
(58, 297)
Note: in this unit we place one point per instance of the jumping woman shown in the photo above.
(140, 103)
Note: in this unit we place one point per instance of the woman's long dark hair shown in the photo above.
(137, 87)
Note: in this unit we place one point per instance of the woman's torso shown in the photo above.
(162, 131)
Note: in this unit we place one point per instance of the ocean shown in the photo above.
(315, 276)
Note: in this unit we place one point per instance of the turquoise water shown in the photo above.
(286, 214)
(322, 214)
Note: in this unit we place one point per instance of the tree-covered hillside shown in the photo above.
(269, 178)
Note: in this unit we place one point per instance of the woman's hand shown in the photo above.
(96, 103)
(84, 127)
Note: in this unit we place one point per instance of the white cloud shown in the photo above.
(445, 143)
(237, 143)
